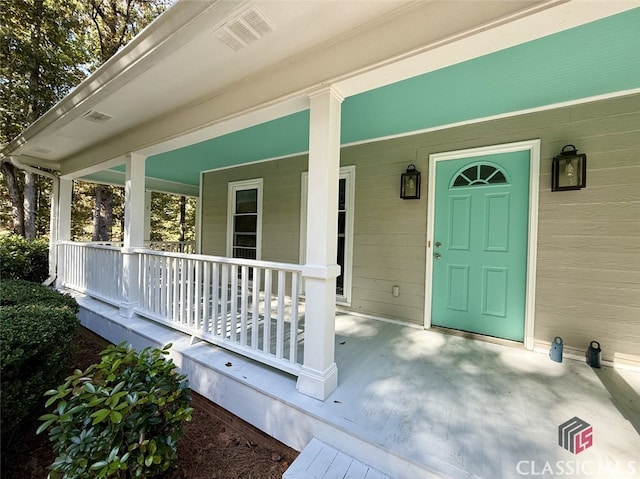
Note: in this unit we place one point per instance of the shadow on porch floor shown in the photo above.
(414, 403)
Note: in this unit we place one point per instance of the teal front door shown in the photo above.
(480, 244)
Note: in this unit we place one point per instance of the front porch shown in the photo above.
(414, 403)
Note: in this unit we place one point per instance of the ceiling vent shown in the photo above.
(96, 116)
(244, 29)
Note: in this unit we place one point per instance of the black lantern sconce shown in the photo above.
(410, 184)
(569, 170)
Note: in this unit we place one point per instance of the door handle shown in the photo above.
(438, 244)
(437, 256)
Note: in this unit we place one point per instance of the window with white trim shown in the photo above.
(346, 199)
(244, 219)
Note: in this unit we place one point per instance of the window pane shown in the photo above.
(471, 173)
(342, 219)
(486, 171)
(498, 178)
(461, 181)
(248, 240)
(245, 224)
(247, 201)
(340, 279)
(244, 253)
(342, 194)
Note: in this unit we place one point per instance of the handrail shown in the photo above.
(223, 259)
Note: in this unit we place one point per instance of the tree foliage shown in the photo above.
(47, 47)
(44, 54)
(116, 22)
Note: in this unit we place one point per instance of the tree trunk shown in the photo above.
(103, 214)
(15, 194)
(183, 217)
(29, 205)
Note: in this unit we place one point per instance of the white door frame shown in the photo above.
(533, 146)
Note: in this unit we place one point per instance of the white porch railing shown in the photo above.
(188, 247)
(91, 268)
(250, 307)
(170, 246)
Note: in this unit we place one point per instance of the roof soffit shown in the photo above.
(357, 59)
(291, 79)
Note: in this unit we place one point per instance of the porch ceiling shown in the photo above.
(182, 97)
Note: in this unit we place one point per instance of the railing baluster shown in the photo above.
(143, 280)
(215, 299)
(280, 320)
(233, 298)
(197, 298)
(183, 290)
(266, 324)
(244, 294)
(157, 291)
(189, 286)
(255, 310)
(224, 288)
(175, 300)
(293, 331)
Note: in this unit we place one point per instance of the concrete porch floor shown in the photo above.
(413, 403)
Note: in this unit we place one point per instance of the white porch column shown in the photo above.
(134, 194)
(319, 375)
(61, 203)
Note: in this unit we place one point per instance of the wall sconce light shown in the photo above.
(569, 170)
(410, 184)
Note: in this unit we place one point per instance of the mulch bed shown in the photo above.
(216, 444)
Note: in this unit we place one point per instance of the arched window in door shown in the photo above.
(480, 174)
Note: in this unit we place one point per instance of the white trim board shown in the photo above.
(533, 146)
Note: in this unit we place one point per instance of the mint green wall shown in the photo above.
(594, 59)
(597, 58)
(268, 140)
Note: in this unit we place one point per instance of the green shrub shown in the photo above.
(36, 327)
(16, 292)
(119, 418)
(24, 259)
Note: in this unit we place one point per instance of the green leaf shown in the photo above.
(61, 407)
(97, 465)
(100, 415)
(116, 417)
(90, 388)
(96, 401)
(44, 426)
(118, 387)
(46, 417)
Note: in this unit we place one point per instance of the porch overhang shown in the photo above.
(358, 47)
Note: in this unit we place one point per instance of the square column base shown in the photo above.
(318, 384)
(127, 310)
